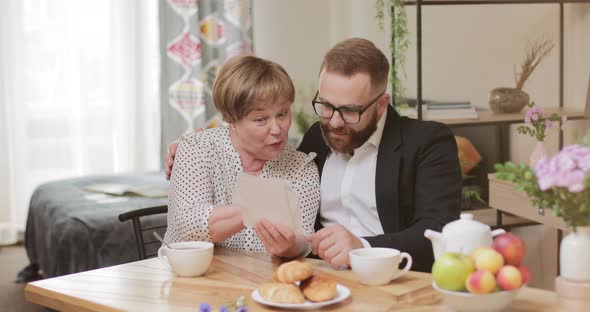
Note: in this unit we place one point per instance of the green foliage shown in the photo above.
(583, 140)
(572, 207)
(303, 115)
(304, 120)
(398, 44)
(468, 194)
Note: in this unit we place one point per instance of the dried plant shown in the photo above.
(535, 52)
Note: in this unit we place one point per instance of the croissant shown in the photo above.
(292, 272)
(281, 293)
(318, 288)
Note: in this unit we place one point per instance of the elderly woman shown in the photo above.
(254, 96)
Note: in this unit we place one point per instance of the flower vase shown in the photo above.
(574, 255)
(508, 100)
(538, 152)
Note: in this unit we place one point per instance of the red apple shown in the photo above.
(481, 282)
(509, 278)
(511, 247)
(525, 273)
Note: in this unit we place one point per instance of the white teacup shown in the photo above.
(187, 259)
(378, 266)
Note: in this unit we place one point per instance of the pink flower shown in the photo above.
(533, 113)
(568, 169)
(548, 123)
(573, 180)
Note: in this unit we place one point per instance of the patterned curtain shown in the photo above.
(196, 38)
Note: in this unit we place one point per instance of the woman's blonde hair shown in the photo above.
(244, 82)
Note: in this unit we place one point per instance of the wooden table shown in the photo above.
(148, 285)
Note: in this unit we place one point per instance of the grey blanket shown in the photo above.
(69, 231)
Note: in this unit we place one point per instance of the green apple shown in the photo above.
(451, 269)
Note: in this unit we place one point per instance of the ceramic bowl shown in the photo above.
(464, 301)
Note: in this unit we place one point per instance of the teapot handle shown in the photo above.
(497, 232)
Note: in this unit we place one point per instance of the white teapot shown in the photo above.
(463, 235)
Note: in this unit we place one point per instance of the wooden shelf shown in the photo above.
(505, 197)
(489, 2)
(489, 118)
(488, 216)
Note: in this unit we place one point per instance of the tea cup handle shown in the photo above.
(406, 268)
(162, 255)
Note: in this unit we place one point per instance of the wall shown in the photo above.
(4, 170)
(467, 51)
(298, 33)
(5, 93)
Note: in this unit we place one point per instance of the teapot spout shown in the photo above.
(438, 241)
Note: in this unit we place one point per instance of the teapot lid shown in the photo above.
(465, 225)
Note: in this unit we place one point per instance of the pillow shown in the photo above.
(469, 157)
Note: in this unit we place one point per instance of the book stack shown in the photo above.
(450, 110)
(445, 110)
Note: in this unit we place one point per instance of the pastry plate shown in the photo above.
(342, 292)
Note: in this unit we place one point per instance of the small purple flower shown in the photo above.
(242, 309)
(205, 307)
(223, 309)
(534, 113)
(548, 123)
(527, 118)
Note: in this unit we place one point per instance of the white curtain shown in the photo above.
(79, 93)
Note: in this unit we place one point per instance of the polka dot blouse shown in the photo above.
(204, 175)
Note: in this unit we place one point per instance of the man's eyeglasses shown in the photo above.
(348, 114)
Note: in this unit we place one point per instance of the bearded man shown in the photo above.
(385, 179)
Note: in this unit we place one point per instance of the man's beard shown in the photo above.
(348, 139)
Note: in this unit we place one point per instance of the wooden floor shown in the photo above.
(12, 260)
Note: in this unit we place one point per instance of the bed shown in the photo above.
(70, 229)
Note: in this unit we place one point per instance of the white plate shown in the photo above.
(342, 293)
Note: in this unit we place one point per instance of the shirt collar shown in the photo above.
(375, 138)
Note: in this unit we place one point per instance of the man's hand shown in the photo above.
(225, 221)
(170, 158)
(169, 162)
(279, 240)
(333, 244)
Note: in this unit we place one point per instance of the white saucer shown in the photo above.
(342, 293)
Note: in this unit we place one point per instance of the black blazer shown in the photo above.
(417, 183)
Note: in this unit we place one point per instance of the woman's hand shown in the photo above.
(225, 221)
(279, 240)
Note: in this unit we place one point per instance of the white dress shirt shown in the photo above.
(348, 188)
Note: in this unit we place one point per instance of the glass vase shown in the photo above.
(539, 151)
